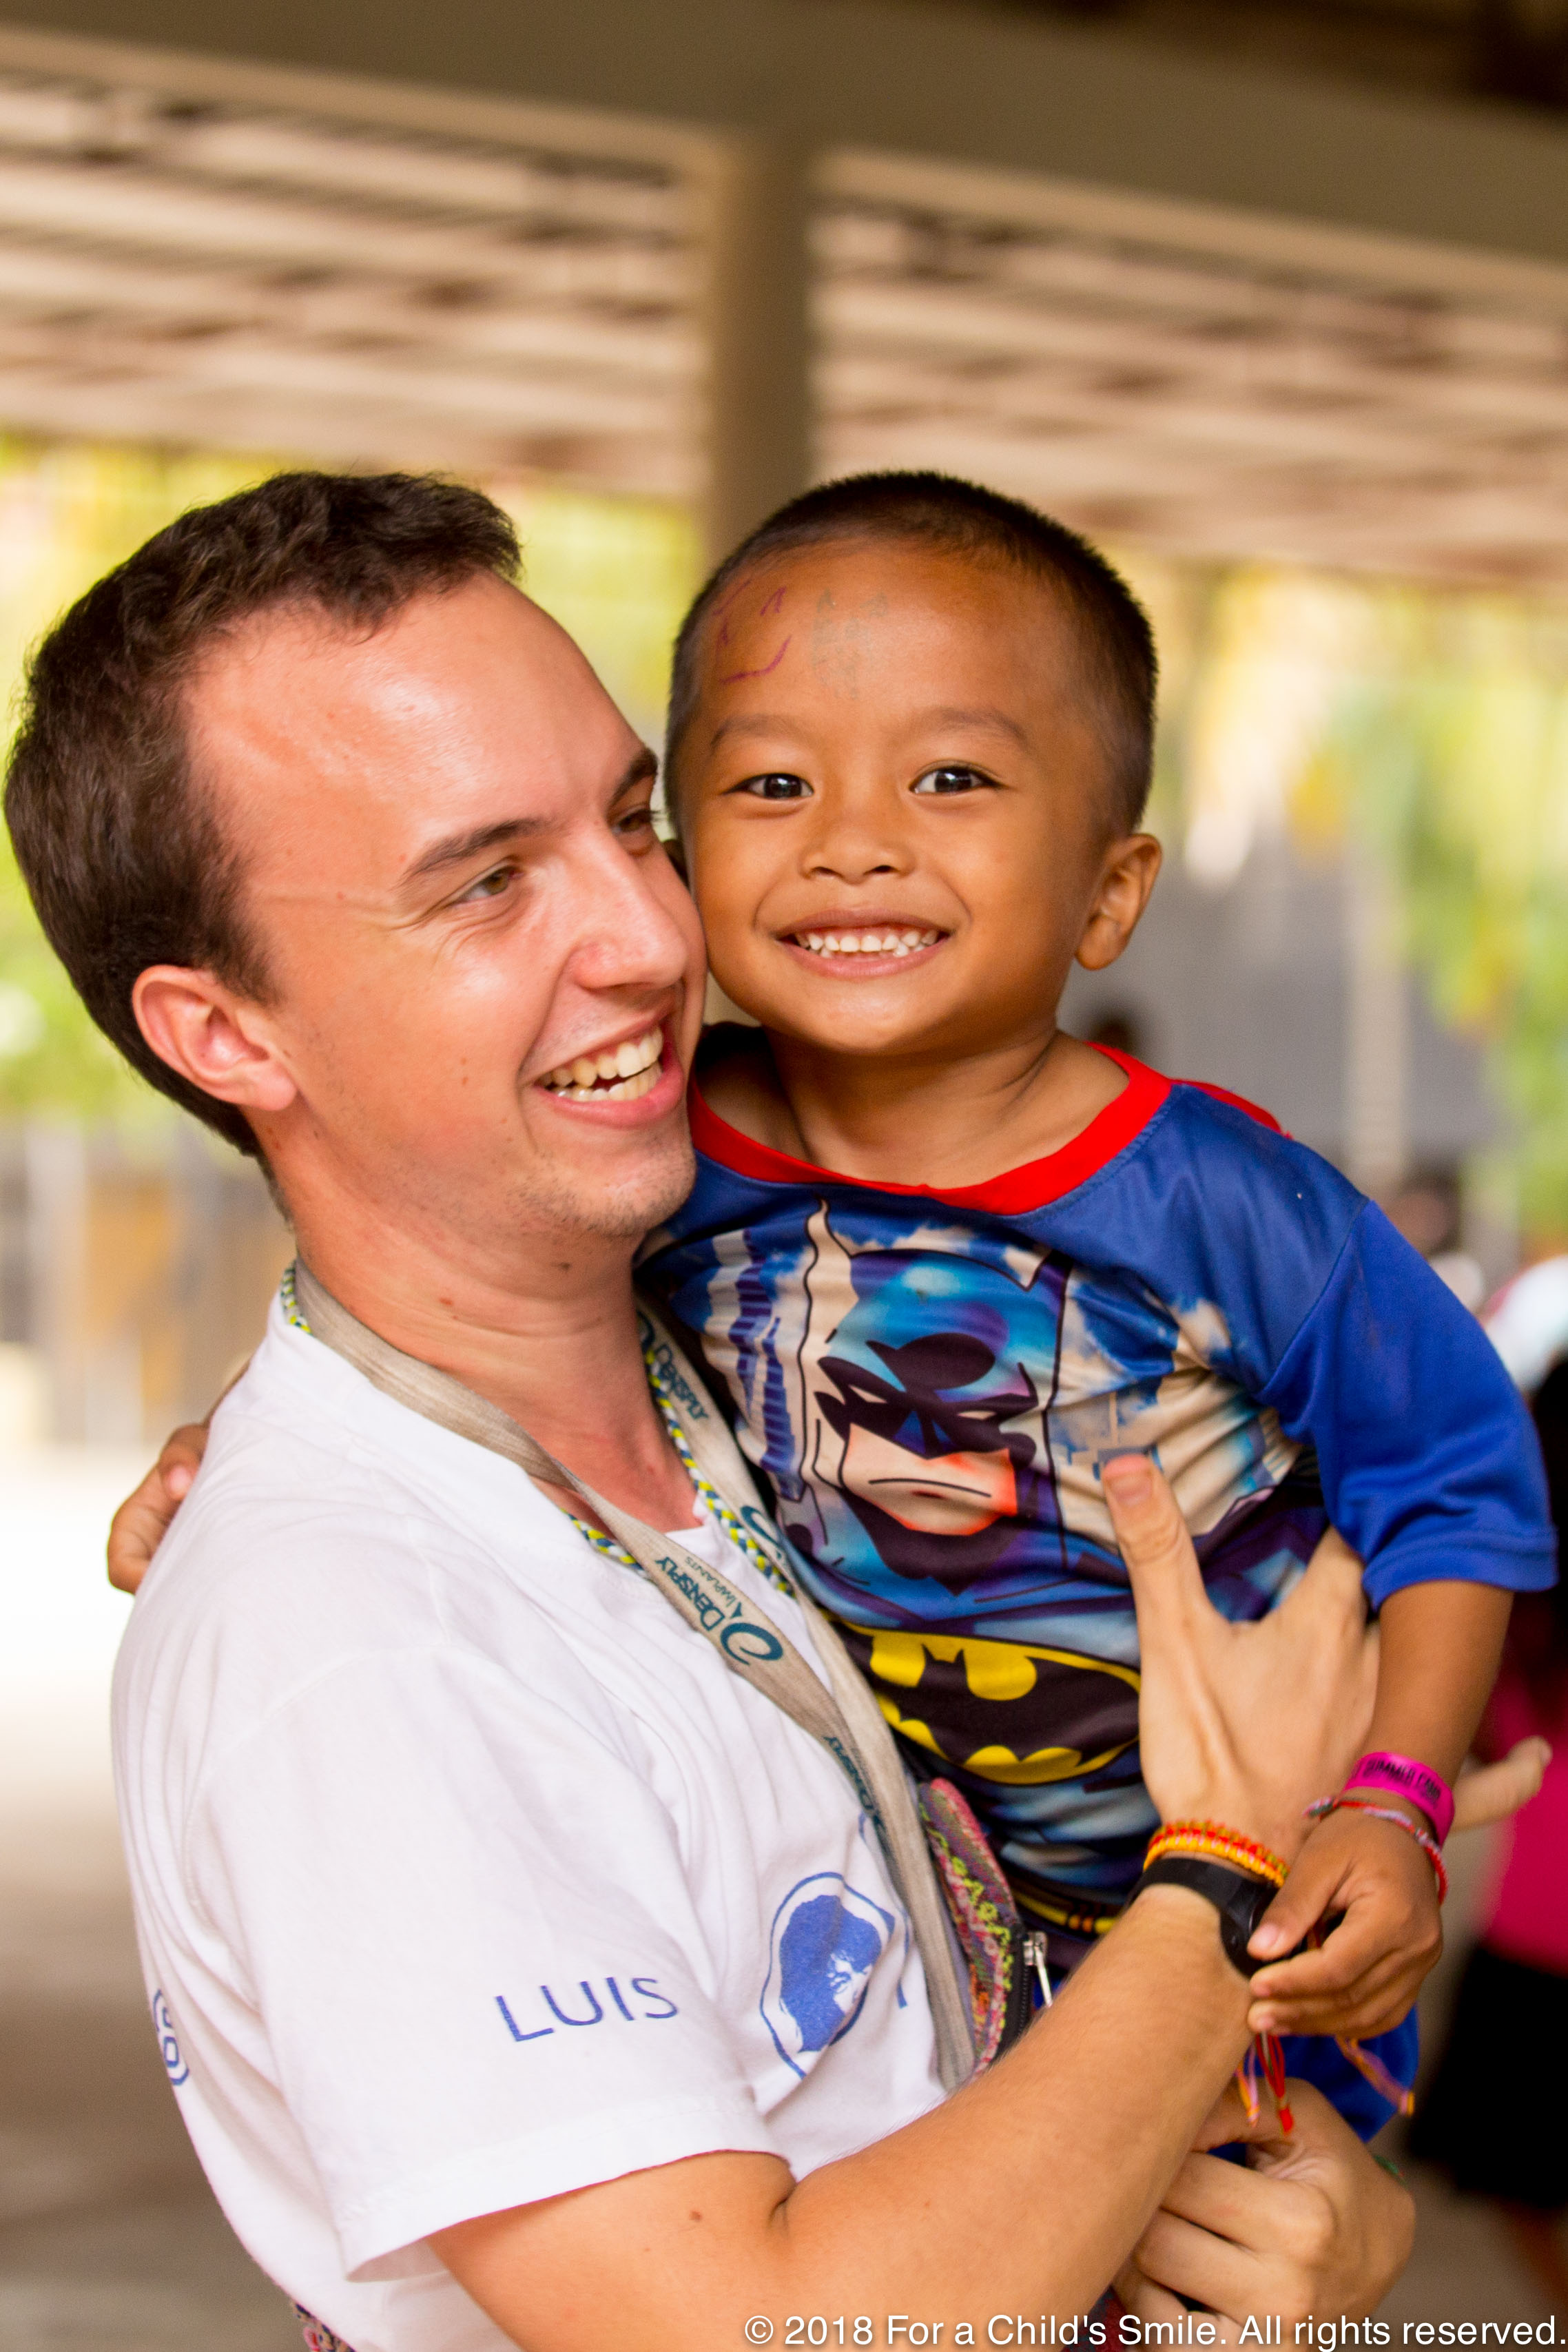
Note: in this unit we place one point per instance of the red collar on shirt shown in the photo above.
(1012, 1195)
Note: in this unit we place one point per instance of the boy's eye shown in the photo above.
(951, 779)
(776, 788)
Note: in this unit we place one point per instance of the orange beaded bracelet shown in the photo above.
(1221, 1844)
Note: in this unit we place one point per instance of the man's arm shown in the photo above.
(1024, 2192)
(1027, 2191)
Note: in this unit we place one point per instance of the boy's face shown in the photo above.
(895, 806)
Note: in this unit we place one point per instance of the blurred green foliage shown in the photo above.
(1451, 759)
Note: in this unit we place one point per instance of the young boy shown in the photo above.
(943, 1259)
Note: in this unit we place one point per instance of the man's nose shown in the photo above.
(630, 932)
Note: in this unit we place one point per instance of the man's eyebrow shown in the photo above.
(642, 764)
(456, 849)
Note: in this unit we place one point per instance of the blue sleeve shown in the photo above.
(1429, 1460)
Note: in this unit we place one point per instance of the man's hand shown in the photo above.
(1314, 2224)
(1368, 1971)
(142, 1520)
(1243, 1724)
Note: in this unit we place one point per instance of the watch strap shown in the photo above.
(1240, 1899)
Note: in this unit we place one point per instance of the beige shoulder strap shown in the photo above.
(846, 1718)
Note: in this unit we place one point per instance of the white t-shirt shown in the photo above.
(467, 1873)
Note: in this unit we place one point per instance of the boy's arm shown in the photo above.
(1440, 1648)
(1431, 1472)
(1431, 1469)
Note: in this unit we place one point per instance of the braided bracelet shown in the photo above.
(1221, 1844)
(1423, 1837)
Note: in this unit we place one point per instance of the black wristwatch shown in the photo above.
(1240, 1899)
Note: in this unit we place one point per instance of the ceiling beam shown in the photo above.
(966, 85)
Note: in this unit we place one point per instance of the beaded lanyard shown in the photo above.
(712, 1503)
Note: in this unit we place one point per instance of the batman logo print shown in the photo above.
(1014, 1712)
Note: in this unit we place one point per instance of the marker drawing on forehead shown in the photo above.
(733, 676)
(727, 603)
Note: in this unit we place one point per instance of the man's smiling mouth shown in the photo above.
(620, 1074)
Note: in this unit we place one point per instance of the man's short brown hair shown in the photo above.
(117, 841)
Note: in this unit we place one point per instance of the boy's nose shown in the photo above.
(850, 850)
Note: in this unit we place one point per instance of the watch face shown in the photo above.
(1239, 1920)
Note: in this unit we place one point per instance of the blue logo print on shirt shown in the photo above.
(173, 2059)
(826, 1939)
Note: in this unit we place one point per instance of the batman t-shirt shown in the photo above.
(928, 1384)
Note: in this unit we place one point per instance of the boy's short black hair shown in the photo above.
(958, 518)
(116, 840)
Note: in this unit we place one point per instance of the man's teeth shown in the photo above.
(620, 1074)
(889, 943)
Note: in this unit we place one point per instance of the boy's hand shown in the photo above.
(1491, 1792)
(144, 1518)
(1366, 1976)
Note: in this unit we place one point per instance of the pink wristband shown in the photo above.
(1406, 1776)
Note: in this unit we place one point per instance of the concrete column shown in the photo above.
(759, 421)
(1377, 1025)
(55, 1165)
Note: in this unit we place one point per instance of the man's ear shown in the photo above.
(1126, 880)
(222, 1043)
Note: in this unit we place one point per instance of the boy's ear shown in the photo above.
(1127, 878)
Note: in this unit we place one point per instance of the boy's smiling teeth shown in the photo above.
(620, 1074)
(880, 939)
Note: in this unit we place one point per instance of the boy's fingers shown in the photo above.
(1307, 1894)
(1389, 1983)
(1344, 1957)
(1493, 1792)
(142, 1520)
(134, 1533)
(1354, 2018)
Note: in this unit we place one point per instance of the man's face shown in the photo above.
(893, 799)
(487, 978)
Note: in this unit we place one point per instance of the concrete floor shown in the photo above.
(110, 2240)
